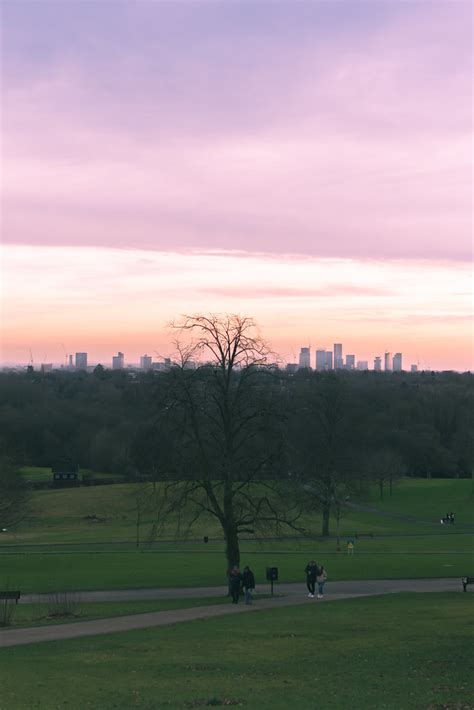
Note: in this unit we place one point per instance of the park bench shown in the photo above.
(466, 581)
(10, 595)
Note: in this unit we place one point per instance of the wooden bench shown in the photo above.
(466, 581)
(10, 595)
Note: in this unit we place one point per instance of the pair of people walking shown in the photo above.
(315, 574)
(238, 580)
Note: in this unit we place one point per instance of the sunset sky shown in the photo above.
(305, 163)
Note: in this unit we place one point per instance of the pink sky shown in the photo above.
(328, 143)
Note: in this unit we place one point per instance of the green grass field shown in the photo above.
(201, 565)
(393, 652)
(108, 514)
(70, 542)
(45, 613)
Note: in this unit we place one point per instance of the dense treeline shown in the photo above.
(373, 423)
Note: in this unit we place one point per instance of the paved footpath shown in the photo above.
(291, 594)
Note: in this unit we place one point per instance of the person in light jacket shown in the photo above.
(321, 580)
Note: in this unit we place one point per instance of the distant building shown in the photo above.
(292, 367)
(338, 360)
(377, 364)
(387, 362)
(397, 362)
(350, 362)
(162, 366)
(321, 359)
(413, 368)
(145, 362)
(47, 367)
(305, 357)
(117, 361)
(81, 361)
(328, 359)
(362, 365)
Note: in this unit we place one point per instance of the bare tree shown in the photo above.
(222, 414)
(384, 466)
(321, 454)
(13, 495)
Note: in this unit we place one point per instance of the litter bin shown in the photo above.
(272, 576)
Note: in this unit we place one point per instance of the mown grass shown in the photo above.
(46, 613)
(70, 542)
(108, 513)
(201, 565)
(394, 652)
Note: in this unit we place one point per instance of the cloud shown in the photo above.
(319, 130)
(250, 292)
(102, 300)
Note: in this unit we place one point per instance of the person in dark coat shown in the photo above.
(248, 583)
(311, 570)
(235, 582)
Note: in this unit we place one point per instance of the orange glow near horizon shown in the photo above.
(104, 300)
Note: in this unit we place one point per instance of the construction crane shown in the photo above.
(66, 355)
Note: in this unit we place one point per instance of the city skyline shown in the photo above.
(319, 359)
(305, 164)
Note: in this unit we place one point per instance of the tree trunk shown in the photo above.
(338, 536)
(326, 514)
(232, 549)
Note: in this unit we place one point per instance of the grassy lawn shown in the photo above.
(428, 499)
(201, 565)
(394, 652)
(47, 613)
(108, 513)
(76, 538)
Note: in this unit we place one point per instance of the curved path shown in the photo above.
(291, 594)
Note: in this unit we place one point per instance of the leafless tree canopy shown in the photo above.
(225, 419)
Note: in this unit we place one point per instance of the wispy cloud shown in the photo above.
(251, 292)
(101, 300)
(329, 129)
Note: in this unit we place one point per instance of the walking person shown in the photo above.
(248, 583)
(311, 570)
(235, 582)
(321, 580)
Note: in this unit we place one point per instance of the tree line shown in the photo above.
(238, 437)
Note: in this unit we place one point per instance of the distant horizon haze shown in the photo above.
(101, 301)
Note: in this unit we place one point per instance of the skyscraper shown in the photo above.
(305, 357)
(321, 359)
(350, 362)
(377, 363)
(117, 361)
(145, 362)
(397, 362)
(81, 361)
(388, 362)
(338, 361)
(413, 368)
(328, 359)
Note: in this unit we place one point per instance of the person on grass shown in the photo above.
(311, 571)
(248, 583)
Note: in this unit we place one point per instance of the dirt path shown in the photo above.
(292, 594)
